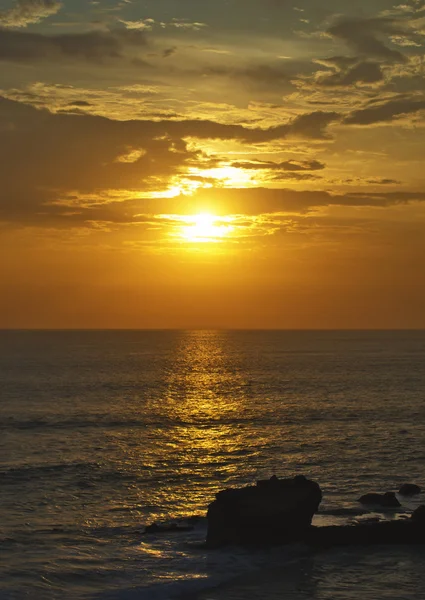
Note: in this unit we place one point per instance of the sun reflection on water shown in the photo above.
(205, 399)
(199, 424)
(204, 385)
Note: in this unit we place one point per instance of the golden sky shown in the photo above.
(212, 163)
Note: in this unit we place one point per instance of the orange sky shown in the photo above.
(237, 164)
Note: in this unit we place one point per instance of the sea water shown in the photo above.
(104, 432)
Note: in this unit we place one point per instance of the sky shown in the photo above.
(212, 164)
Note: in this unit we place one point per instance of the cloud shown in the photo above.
(383, 112)
(364, 36)
(383, 181)
(116, 102)
(359, 181)
(149, 24)
(80, 103)
(66, 169)
(314, 124)
(93, 46)
(184, 24)
(271, 205)
(26, 12)
(261, 200)
(364, 72)
(274, 74)
(45, 157)
(288, 165)
(271, 202)
(262, 74)
(141, 24)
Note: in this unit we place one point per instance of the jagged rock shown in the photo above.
(273, 511)
(409, 489)
(387, 500)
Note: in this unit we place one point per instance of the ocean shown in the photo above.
(104, 432)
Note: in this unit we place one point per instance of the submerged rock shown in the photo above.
(387, 500)
(173, 528)
(275, 511)
(409, 489)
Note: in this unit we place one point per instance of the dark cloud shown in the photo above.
(40, 166)
(362, 72)
(44, 156)
(75, 211)
(309, 126)
(80, 103)
(291, 175)
(380, 112)
(384, 181)
(93, 46)
(366, 36)
(288, 165)
(314, 124)
(264, 74)
(169, 52)
(261, 200)
(371, 181)
(278, 74)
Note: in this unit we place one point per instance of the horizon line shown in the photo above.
(158, 329)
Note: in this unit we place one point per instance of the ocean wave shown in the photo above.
(96, 422)
(37, 470)
(146, 421)
(87, 472)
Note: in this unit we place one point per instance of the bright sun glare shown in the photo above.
(205, 227)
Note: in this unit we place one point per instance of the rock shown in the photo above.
(152, 528)
(418, 516)
(387, 500)
(407, 531)
(409, 489)
(271, 512)
(173, 528)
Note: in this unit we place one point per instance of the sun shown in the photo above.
(205, 227)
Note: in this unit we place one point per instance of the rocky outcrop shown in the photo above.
(274, 511)
(406, 531)
(409, 489)
(387, 500)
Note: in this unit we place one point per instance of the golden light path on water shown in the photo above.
(205, 396)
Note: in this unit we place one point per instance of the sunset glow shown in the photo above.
(226, 175)
(186, 164)
(204, 228)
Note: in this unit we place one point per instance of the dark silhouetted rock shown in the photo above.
(271, 512)
(409, 531)
(173, 528)
(152, 528)
(409, 489)
(387, 500)
(418, 516)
